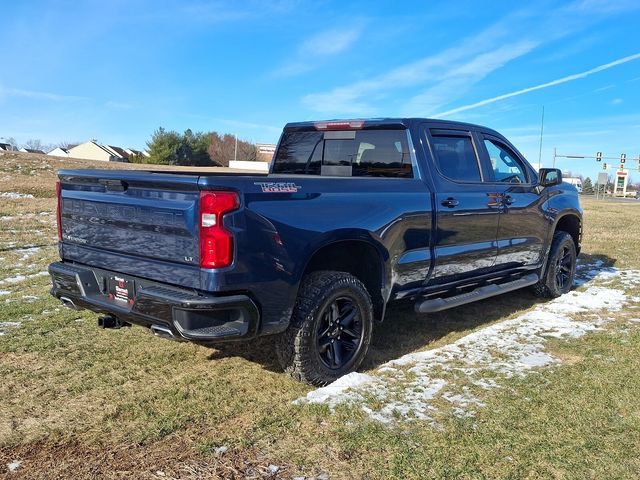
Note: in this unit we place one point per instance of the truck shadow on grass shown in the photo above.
(403, 331)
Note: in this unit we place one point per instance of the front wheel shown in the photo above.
(330, 328)
(561, 267)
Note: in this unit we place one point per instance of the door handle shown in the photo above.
(507, 200)
(449, 202)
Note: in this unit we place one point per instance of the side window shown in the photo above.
(456, 158)
(504, 163)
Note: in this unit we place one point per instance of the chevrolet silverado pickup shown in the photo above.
(353, 214)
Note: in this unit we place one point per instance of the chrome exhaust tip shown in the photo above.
(162, 331)
(67, 302)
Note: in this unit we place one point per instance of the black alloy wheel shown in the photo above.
(559, 272)
(564, 267)
(339, 332)
(330, 329)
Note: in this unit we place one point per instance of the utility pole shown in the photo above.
(541, 131)
(235, 151)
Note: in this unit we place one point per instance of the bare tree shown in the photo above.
(67, 145)
(11, 141)
(33, 144)
(222, 149)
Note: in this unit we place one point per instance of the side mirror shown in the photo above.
(549, 177)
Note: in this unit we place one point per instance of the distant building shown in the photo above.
(265, 151)
(30, 150)
(575, 181)
(59, 152)
(137, 153)
(92, 150)
(248, 165)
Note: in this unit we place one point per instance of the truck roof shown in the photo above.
(387, 122)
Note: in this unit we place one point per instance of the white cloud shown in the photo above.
(461, 77)
(616, 101)
(559, 81)
(463, 58)
(448, 74)
(118, 105)
(37, 95)
(317, 48)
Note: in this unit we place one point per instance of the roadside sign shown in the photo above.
(620, 184)
(601, 186)
(603, 178)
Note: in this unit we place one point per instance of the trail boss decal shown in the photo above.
(278, 187)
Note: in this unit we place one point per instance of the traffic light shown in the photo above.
(623, 157)
(599, 157)
(604, 166)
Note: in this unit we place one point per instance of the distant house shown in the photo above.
(59, 152)
(120, 152)
(92, 150)
(133, 151)
(30, 150)
(6, 147)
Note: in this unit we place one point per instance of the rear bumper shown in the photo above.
(188, 314)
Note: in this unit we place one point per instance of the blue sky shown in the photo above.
(116, 70)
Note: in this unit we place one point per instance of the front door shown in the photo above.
(522, 226)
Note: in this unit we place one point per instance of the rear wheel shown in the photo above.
(330, 328)
(561, 267)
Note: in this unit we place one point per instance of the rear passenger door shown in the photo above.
(522, 227)
(466, 207)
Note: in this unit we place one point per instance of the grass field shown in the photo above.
(79, 402)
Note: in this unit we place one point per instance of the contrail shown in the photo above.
(566, 79)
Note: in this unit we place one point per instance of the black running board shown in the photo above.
(439, 304)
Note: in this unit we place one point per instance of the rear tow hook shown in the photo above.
(110, 321)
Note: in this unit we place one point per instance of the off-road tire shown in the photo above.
(548, 286)
(297, 348)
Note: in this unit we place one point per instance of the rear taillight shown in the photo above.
(59, 209)
(216, 243)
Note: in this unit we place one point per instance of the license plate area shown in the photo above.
(121, 290)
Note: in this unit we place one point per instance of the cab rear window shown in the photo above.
(356, 153)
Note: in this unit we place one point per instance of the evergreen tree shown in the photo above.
(587, 186)
(163, 147)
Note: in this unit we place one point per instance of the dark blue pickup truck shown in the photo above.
(353, 215)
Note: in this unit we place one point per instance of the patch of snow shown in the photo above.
(4, 292)
(15, 195)
(13, 466)
(407, 386)
(341, 385)
(221, 450)
(273, 469)
(21, 278)
(10, 324)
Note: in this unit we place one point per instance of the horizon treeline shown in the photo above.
(168, 147)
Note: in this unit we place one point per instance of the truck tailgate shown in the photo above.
(140, 223)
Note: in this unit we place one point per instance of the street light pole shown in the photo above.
(235, 151)
(541, 131)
